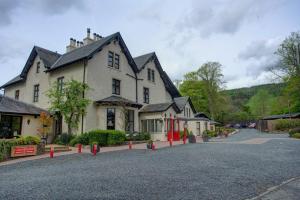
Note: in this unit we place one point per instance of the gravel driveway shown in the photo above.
(194, 171)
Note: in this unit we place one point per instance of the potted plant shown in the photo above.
(205, 136)
(149, 144)
(192, 137)
(92, 147)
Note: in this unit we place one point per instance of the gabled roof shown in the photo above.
(201, 115)
(48, 58)
(159, 107)
(117, 100)
(182, 101)
(87, 51)
(283, 116)
(142, 60)
(12, 106)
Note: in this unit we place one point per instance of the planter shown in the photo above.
(92, 148)
(149, 146)
(192, 139)
(23, 150)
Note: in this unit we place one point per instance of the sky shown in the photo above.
(242, 35)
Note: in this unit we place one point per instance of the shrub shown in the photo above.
(286, 124)
(210, 133)
(32, 140)
(138, 136)
(293, 131)
(296, 135)
(99, 136)
(64, 139)
(115, 137)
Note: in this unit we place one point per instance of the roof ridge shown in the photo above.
(44, 49)
(153, 52)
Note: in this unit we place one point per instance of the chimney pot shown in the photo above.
(88, 31)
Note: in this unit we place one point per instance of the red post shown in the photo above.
(153, 147)
(172, 126)
(79, 148)
(95, 149)
(130, 144)
(184, 135)
(171, 142)
(51, 152)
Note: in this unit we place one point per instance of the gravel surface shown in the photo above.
(193, 171)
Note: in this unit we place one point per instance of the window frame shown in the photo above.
(116, 61)
(128, 121)
(113, 127)
(17, 94)
(153, 75)
(60, 83)
(149, 74)
(38, 67)
(36, 91)
(110, 55)
(116, 88)
(146, 95)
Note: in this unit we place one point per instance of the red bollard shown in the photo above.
(51, 152)
(130, 144)
(184, 139)
(79, 148)
(153, 147)
(171, 142)
(95, 149)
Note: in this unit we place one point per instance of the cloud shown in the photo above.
(259, 56)
(223, 17)
(50, 7)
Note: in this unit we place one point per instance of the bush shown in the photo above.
(296, 135)
(99, 136)
(64, 139)
(286, 124)
(293, 131)
(210, 133)
(5, 145)
(138, 136)
(115, 138)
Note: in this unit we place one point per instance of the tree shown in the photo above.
(261, 104)
(69, 102)
(203, 86)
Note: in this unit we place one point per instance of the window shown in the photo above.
(36, 89)
(117, 61)
(10, 126)
(149, 74)
(152, 125)
(38, 66)
(17, 94)
(116, 86)
(146, 95)
(198, 128)
(110, 119)
(110, 59)
(60, 84)
(144, 126)
(153, 76)
(129, 120)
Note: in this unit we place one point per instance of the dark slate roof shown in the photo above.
(12, 106)
(283, 116)
(142, 60)
(17, 79)
(117, 100)
(182, 101)
(87, 51)
(201, 115)
(158, 107)
(48, 58)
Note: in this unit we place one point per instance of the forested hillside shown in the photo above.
(241, 96)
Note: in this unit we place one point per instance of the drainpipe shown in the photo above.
(83, 95)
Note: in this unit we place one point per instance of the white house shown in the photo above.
(122, 85)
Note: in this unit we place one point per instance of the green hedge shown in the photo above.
(101, 137)
(64, 139)
(286, 124)
(6, 144)
(296, 135)
(211, 133)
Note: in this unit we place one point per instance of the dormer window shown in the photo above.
(151, 75)
(117, 61)
(38, 66)
(110, 59)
